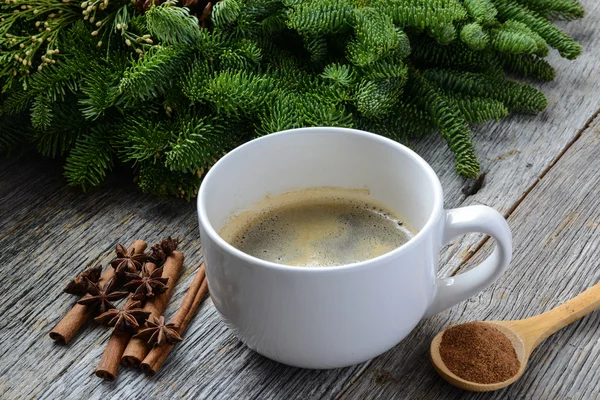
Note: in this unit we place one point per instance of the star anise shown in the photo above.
(78, 286)
(127, 261)
(159, 333)
(146, 284)
(127, 319)
(161, 250)
(100, 298)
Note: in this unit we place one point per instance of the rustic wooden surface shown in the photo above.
(556, 231)
(48, 232)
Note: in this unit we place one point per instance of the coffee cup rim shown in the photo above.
(414, 241)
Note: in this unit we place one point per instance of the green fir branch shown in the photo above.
(166, 91)
(449, 120)
(41, 112)
(474, 36)
(566, 45)
(422, 14)
(514, 37)
(159, 180)
(528, 65)
(315, 113)
(236, 94)
(427, 53)
(99, 87)
(479, 109)
(482, 11)
(281, 115)
(407, 121)
(516, 96)
(317, 18)
(226, 12)
(199, 142)
(60, 136)
(341, 75)
(376, 37)
(90, 160)
(376, 98)
(246, 55)
(173, 25)
(317, 47)
(151, 75)
(143, 139)
(556, 9)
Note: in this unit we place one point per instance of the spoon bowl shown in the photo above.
(449, 376)
(525, 335)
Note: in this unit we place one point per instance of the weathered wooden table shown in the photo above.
(543, 173)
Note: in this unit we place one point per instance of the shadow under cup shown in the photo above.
(321, 317)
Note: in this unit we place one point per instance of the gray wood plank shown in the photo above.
(515, 152)
(556, 232)
(13, 174)
(68, 231)
(515, 155)
(48, 232)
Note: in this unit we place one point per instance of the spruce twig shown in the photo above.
(168, 87)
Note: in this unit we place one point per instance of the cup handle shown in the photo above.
(453, 290)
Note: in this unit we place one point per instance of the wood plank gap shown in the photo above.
(557, 230)
(512, 209)
(480, 245)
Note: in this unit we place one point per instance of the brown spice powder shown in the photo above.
(478, 352)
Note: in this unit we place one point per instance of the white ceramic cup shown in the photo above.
(329, 317)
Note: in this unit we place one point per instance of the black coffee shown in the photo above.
(323, 226)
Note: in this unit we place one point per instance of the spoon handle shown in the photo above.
(536, 329)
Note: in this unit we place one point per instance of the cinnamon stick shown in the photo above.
(192, 300)
(119, 342)
(137, 349)
(72, 322)
(109, 363)
(108, 367)
(184, 315)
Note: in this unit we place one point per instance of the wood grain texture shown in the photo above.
(515, 154)
(517, 151)
(556, 232)
(49, 232)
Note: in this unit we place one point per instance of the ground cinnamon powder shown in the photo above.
(478, 352)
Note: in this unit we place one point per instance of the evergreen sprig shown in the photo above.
(172, 25)
(90, 159)
(168, 89)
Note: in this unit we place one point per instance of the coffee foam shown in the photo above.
(324, 226)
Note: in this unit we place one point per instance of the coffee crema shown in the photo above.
(323, 226)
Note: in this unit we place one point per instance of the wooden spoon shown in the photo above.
(525, 335)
